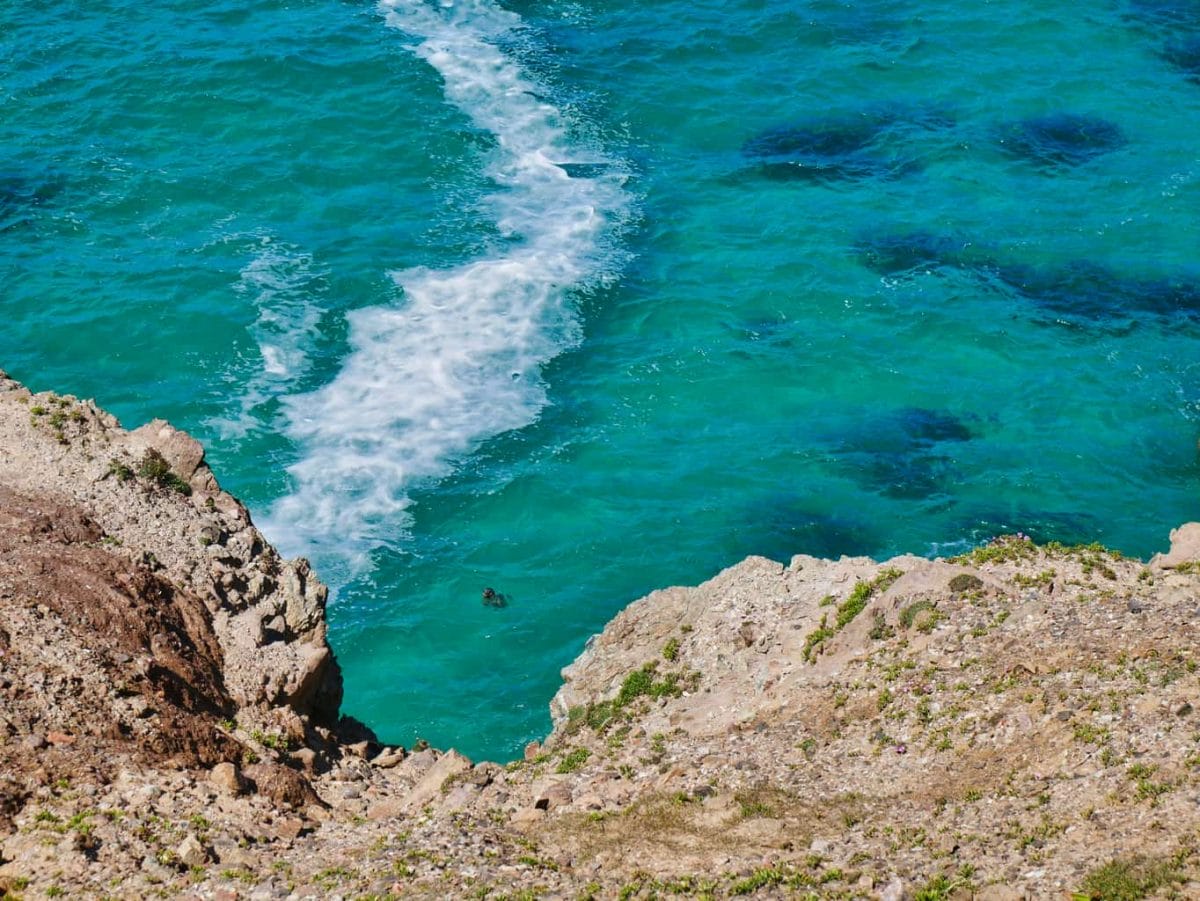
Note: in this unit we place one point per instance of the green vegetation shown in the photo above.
(644, 682)
(1147, 789)
(1089, 734)
(1045, 577)
(965, 582)
(275, 742)
(574, 761)
(848, 610)
(764, 877)
(1005, 549)
(1093, 557)
(1129, 879)
(880, 630)
(753, 804)
(670, 650)
(155, 469)
(942, 887)
(594, 716)
(910, 614)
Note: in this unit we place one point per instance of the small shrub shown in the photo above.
(1089, 734)
(1045, 577)
(635, 685)
(642, 682)
(853, 605)
(936, 889)
(574, 761)
(155, 469)
(964, 582)
(670, 650)
(276, 742)
(764, 877)
(880, 630)
(117, 468)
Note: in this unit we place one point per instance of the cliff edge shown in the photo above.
(1018, 722)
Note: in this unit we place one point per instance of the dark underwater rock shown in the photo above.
(899, 455)
(773, 331)
(1167, 13)
(1094, 293)
(852, 168)
(821, 139)
(1060, 139)
(907, 429)
(900, 254)
(782, 526)
(822, 150)
(927, 427)
(906, 475)
(843, 148)
(1184, 54)
(19, 196)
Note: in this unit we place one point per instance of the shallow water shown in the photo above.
(517, 296)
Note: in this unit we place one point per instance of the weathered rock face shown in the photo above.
(189, 534)
(151, 690)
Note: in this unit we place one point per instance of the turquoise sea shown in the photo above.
(576, 300)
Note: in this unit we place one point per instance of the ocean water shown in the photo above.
(576, 300)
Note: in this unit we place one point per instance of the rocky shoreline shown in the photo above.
(1018, 722)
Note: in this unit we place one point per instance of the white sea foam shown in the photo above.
(284, 284)
(458, 358)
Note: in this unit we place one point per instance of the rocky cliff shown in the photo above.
(1018, 722)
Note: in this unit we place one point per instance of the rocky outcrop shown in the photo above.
(1019, 722)
(151, 497)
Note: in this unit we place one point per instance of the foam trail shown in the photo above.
(459, 359)
(284, 284)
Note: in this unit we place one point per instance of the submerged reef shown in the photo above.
(1082, 293)
(21, 195)
(1059, 140)
(852, 146)
(900, 455)
(1177, 25)
(1184, 55)
(895, 254)
(1094, 293)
